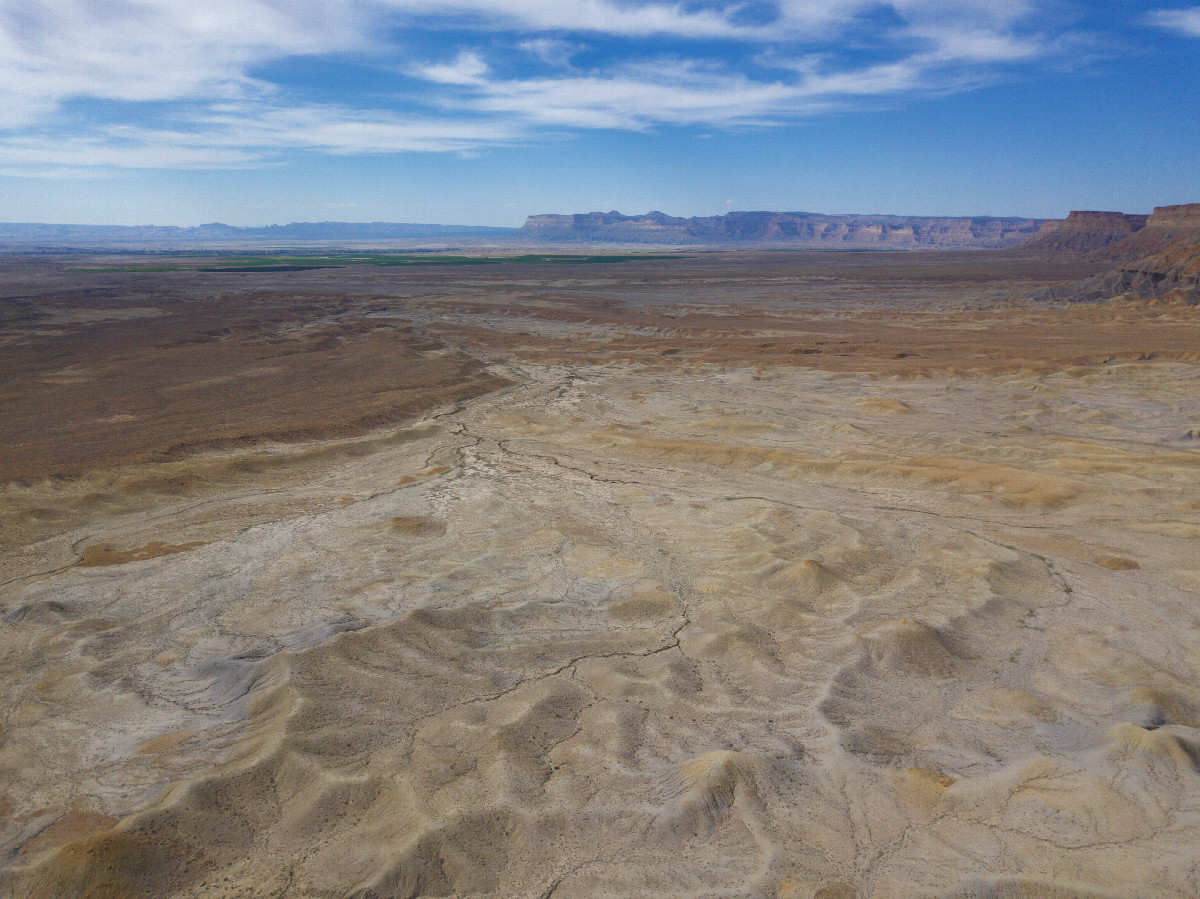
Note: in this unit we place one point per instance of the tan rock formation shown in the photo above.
(1160, 259)
(1085, 232)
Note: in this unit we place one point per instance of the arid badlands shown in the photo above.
(752, 572)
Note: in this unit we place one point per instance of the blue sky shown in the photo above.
(484, 111)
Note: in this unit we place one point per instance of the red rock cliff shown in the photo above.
(1085, 231)
(1162, 258)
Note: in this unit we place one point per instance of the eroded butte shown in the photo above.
(786, 575)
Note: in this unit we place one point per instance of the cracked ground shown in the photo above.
(777, 575)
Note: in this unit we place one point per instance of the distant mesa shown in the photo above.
(1151, 254)
(795, 229)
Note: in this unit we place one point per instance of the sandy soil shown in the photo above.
(788, 575)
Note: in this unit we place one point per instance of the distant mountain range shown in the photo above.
(796, 229)
(1121, 237)
(23, 234)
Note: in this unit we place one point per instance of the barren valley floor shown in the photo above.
(744, 574)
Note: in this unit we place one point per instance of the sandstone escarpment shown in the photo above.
(1184, 214)
(802, 229)
(1162, 257)
(1085, 231)
(1168, 230)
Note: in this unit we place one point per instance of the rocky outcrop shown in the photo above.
(801, 229)
(1162, 258)
(1185, 215)
(1085, 232)
(1169, 228)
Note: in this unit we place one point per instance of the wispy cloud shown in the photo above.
(596, 16)
(555, 51)
(240, 135)
(468, 68)
(158, 83)
(1181, 21)
(674, 94)
(146, 50)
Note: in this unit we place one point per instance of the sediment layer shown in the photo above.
(1085, 232)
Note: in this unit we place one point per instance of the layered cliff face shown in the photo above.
(1168, 230)
(1185, 215)
(804, 229)
(1086, 231)
(1161, 258)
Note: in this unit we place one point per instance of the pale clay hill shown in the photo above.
(793, 576)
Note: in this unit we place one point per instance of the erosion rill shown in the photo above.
(756, 574)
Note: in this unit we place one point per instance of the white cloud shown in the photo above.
(554, 51)
(1182, 21)
(150, 50)
(635, 99)
(598, 16)
(468, 68)
(956, 44)
(682, 93)
(249, 134)
(191, 90)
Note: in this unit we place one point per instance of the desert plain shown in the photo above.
(763, 574)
